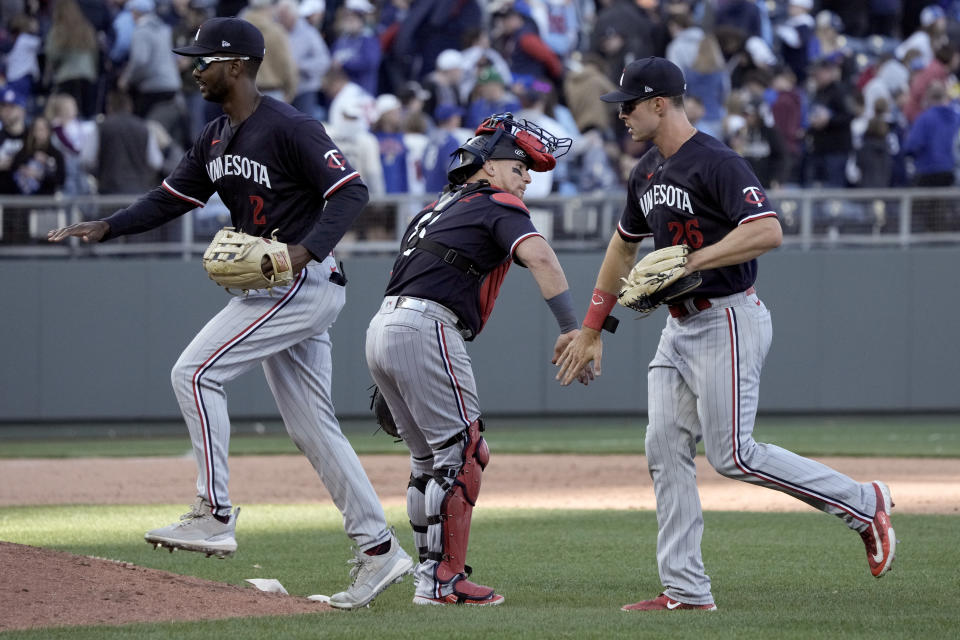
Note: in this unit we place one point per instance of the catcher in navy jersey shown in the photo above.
(453, 259)
(278, 172)
(696, 197)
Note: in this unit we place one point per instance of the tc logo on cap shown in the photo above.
(224, 43)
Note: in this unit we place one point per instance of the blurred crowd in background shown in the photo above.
(835, 93)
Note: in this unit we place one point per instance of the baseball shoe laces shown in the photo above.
(879, 537)
(198, 530)
(370, 575)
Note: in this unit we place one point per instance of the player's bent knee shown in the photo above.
(723, 462)
(181, 376)
(651, 445)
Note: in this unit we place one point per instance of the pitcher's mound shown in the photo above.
(45, 588)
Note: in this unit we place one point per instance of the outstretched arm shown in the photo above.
(539, 257)
(92, 231)
(588, 346)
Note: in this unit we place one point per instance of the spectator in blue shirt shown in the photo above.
(932, 140)
(444, 140)
(356, 49)
(490, 96)
(932, 143)
(123, 25)
(393, 148)
(708, 79)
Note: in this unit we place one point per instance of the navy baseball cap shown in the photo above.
(9, 95)
(225, 35)
(445, 110)
(648, 78)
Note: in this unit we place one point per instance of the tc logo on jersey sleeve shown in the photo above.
(754, 196)
(335, 160)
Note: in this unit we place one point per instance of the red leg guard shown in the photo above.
(456, 510)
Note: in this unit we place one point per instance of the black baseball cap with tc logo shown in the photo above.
(225, 35)
(648, 78)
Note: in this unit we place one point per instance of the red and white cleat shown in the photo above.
(664, 603)
(464, 592)
(878, 538)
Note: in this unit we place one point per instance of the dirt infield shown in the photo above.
(42, 588)
(927, 485)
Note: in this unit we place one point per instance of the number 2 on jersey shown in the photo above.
(258, 217)
(687, 233)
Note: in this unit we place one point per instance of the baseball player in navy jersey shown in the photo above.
(275, 169)
(703, 382)
(453, 259)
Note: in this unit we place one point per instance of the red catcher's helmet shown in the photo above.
(500, 137)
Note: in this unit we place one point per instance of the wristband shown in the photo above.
(562, 307)
(600, 306)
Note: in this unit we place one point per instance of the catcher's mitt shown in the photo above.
(234, 261)
(378, 405)
(658, 278)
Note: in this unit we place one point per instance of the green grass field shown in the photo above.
(923, 436)
(564, 573)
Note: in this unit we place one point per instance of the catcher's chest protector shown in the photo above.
(418, 240)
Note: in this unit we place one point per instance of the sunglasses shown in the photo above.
(202, 64)
(626, 108)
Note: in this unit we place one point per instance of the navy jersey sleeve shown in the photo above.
(324, 164)
(510, 223)
(189, 181)
(343, 207)
(633, 226)
(186, 188)
(739, 192)
(320, 159)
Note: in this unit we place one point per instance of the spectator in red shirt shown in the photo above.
(517, 38)
(945, 61)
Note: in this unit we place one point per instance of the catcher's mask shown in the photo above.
(500, 137)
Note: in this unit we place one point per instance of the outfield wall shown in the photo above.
(854, 330)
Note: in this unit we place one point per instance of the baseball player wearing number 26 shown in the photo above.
(276, 170)
(703, 382)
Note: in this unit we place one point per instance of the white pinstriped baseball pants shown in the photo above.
(420, 362)
(704, 383)
(287, 333)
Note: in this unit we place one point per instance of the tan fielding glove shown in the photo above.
(233, 260)
(658, 278)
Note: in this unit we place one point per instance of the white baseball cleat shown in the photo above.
(198, 531)
(372, 574)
